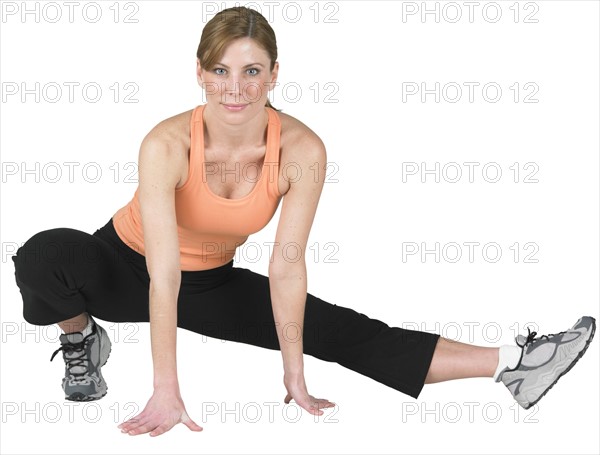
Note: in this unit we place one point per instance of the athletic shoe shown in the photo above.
(83, 357)
(545, 360)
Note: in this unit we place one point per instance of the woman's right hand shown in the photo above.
(164, 410)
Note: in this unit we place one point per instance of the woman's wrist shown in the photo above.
(292, 372)
(166, 383)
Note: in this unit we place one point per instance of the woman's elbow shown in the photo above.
(286, 269)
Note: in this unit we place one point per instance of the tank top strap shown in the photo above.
(271, 162)
(195, 154)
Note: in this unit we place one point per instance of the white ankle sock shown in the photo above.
(508, 357)
(88, 327)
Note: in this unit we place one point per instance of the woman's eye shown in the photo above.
(222, 71)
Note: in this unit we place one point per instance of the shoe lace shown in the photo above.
(531, 337)
(80, 360)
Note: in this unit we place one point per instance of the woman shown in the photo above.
(208, 178)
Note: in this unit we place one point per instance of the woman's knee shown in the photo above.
(50, 249)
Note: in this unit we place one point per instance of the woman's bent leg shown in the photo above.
(76, 324)
(63, 273)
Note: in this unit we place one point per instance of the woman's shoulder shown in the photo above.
(173, 130)
(297, 137)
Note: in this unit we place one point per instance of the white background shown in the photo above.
(369, 213)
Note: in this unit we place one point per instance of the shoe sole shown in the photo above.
(571, 365)
(80, 397)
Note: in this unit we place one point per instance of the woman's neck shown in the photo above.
(226, 136)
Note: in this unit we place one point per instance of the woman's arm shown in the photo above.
(287, 274)
(159, 173)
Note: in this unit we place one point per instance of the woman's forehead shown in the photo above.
(243, 47)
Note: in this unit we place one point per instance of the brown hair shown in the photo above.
(231, 24)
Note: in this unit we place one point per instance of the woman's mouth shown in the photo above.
(234, 107)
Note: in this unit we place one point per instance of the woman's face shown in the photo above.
(238, 84)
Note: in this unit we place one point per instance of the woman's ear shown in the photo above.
(274, 74)
(199, 72)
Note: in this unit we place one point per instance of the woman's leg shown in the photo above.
(237, 307)
(455, 360)
(234, 304)
(76, 324)
(64, 273)
(528, 369)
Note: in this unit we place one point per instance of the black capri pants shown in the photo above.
(64, 272)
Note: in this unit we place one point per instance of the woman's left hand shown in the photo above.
(296, 390)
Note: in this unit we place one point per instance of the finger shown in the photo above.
(161, 429)
(193, 426)
(185, 419)
(314, 410)
(132, 424)
(322, 404)
(310, 407)
(124, 425)
(287, 399)
(134, 419)
(136, 427)
(325, 403)
(144, 428)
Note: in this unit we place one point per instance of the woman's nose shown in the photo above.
(233, 85)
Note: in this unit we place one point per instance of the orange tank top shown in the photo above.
(210, 227)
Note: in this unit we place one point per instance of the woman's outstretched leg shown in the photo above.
(455, 360)
(529, 369)
(239, 309)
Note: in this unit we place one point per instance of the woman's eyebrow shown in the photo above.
(245, 66)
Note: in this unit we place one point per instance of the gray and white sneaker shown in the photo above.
(545, 360)
(83, 357)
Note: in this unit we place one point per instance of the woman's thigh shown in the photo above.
(240, 309)
(63, 272)
(235, 306)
